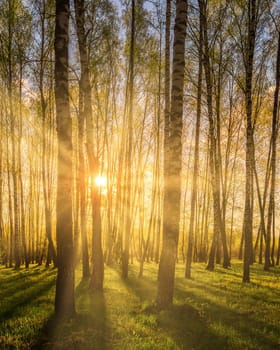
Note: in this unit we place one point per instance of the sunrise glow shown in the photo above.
(101, 181)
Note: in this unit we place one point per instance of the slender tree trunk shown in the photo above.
(12, 116)
(214, 159)
(218, 165)
(172, 185)
(10, 206)
(166, 111)
(81, 189)
(82, 118)
(167, 85)
(248, 212)
(262, 229)
(125, 253)
(166, 107)
(47, 199)
(196, 156)
(45, 163)
(17, 245)
(156, 227)
(271, 206)
(64, 297)
(20, 179)
(97, 275)
(202, 256)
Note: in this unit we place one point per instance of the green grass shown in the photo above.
(212, 311)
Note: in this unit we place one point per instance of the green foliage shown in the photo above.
(214, 310)
(26, 304)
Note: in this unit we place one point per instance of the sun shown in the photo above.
(101, 181)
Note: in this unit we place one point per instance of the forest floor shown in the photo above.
(212, 311)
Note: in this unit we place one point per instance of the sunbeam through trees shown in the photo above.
(139, 142)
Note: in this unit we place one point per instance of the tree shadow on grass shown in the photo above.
(87, 330)
(182, 323)
(17, 280)
(202, 319)
(188, 329)
(24, 302)
(143, 287)
(228, 324)
(24, 293)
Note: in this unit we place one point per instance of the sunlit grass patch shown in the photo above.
(212, 311)
(26, 303)
(245, 316)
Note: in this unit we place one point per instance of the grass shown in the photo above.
(212, 311)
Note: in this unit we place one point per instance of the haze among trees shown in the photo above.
(139, 133)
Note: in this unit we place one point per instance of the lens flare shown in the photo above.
(101, 181)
